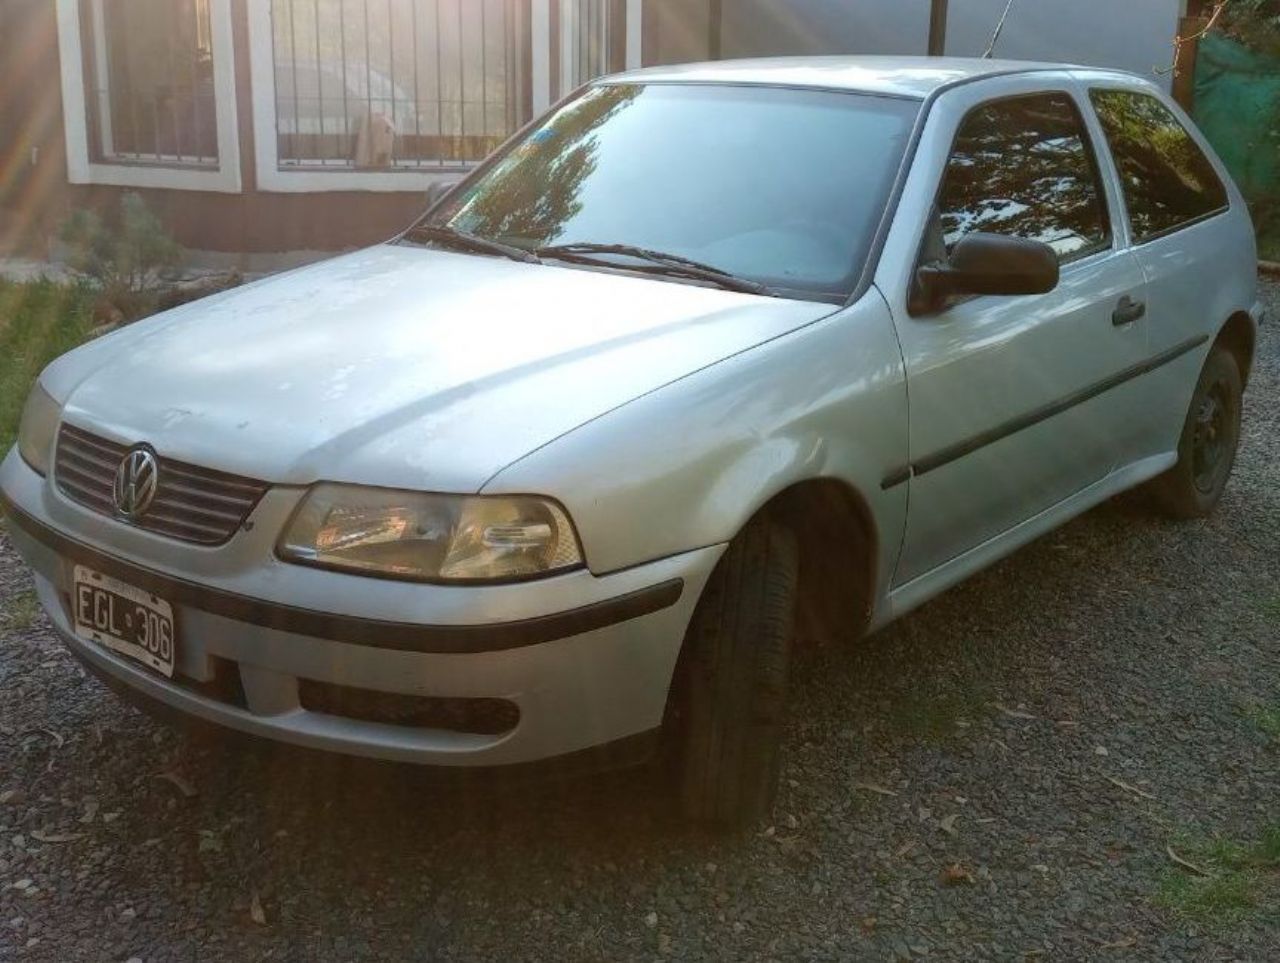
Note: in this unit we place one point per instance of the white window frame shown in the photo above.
(270, 176)
(83, 169)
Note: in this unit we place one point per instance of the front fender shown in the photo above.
(687, 465)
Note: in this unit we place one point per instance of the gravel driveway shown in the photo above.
(1008, 773)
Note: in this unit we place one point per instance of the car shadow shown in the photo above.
(924, 680)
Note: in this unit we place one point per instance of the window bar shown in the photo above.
(348, 145)
(277, 39)
(293, 53)
(439, 94)
(197, 127)
(155, 125)
(175, 37)
(319, 85)
(507, 35)
(391, 69)
(462, 93)
(602, 40)
(103, 88)
(368, 75)
(513, 62)
(417, 85)
(132, 100)
(484, 76)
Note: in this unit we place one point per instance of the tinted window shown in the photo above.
(1167, 179)
(784, 186)
(1023, 167)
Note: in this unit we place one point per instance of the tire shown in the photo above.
(729, 696)
(1207, 447)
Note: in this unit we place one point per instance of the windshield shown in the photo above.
(781, 186)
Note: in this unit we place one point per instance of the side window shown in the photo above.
(1167, 180)
(1024, 167)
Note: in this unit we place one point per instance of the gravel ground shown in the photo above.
(997, 776)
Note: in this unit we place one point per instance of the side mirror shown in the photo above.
(437, 191)
(989, 264)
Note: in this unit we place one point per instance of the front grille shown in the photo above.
(490, 717)
(192, 504)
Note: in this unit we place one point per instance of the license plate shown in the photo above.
(123, 618)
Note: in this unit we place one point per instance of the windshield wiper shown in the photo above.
(468, 242)
(659, 262)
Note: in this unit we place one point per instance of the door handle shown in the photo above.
(1127, 311)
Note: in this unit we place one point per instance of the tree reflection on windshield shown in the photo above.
(536, 190)
(783, 187)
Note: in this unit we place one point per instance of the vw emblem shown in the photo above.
(136, 482)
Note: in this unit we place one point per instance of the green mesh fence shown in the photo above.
(1237, 105)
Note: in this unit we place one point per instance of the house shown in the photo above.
(257, 126)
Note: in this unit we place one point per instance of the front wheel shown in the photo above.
(729, 694)
(1210, 437)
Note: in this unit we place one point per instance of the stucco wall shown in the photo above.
(756, 28)
(1134, 35)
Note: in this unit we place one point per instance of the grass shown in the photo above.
(1269, 245)
(21, 612)
(39, 320)
(1240, 879)
(935, 716)
(1271, 607)
(1266, 718)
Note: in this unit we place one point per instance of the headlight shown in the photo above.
(40, 419)
(430, 538)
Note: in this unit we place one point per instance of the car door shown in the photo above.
(1009, 408)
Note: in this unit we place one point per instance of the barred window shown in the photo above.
(395, 84)
(149, 82)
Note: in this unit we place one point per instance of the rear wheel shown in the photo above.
(1207, 448)
(729, 696)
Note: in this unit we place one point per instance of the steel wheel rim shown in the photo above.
(1210, 443)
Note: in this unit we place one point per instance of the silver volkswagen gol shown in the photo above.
(706, 359)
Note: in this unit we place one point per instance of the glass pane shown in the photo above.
(785, 186)
(151, 86)
(1022, 167)
(393, 83)
(1167, 179)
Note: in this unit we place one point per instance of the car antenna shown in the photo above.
(996, 36)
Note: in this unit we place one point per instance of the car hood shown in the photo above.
(402, 366)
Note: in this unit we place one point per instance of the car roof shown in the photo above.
(915, 77)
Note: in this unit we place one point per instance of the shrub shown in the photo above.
(125, 260)
(1254, 23)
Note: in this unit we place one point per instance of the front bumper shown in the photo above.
(587, 660)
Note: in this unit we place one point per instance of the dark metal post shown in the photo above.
(937, 28)
(1184, 66)
(715, 29)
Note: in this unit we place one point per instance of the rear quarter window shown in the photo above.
(1167, 180)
